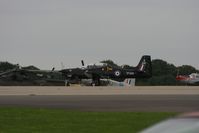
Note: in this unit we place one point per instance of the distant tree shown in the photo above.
(163, 73)
(186, 70)
(161, 67)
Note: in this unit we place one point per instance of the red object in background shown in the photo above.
(182, 78)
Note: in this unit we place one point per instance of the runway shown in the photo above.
(127, 103)
(159, 99)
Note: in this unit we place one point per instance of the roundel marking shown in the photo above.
(117, 73)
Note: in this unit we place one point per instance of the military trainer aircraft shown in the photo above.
(105, 71)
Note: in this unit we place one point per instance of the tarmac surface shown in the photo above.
(147, 99)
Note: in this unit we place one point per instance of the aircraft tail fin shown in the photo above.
(145, 66)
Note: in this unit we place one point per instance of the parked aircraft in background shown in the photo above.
(105, 71)
(188, 79)
(19, 76)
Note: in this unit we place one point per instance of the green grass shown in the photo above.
(36, 120)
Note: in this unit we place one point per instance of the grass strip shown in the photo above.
(40, 120)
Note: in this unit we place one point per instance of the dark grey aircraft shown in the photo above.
(19, 76)
(106, 71)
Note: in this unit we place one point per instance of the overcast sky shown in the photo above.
(45, 33)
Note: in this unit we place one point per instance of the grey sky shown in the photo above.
(45, 33)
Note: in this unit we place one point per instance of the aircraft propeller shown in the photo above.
(82, 61)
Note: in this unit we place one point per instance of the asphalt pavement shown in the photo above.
(147, 99)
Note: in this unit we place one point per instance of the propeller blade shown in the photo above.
(82, 62)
